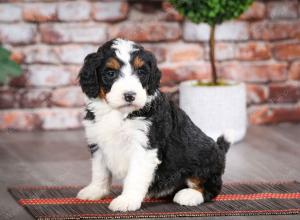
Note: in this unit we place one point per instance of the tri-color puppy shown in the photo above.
(136, 134)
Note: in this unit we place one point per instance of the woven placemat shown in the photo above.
(236, 199)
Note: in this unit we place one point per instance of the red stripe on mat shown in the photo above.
(182, 214)
(256, 196)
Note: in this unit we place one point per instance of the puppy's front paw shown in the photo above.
(92, 192)
(124, 203)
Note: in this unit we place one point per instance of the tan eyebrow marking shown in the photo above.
(138, 62)
(113, 63)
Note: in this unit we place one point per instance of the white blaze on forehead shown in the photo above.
(123, 50)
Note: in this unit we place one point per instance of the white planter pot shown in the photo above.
(216, 110)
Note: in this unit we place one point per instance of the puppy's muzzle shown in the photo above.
(129, 96)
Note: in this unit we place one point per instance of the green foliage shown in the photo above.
(211, 11)
(8, 68)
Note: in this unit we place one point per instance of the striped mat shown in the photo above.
(236, 199)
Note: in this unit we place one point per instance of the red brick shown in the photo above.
(10, 12)
(171, 13)
(168, 76)
(230, 30)
(74, 54)
(296, 32)
(68, 97)
(19, 81)
(33, 98)
(47, 119)
(17, 33)
(287, 51)
(193, 32)
(110, 11)
(233, 30)
(48, 75)
(158, 50)
(180, 52)
(282, 9)
(253, 51)
(175, 74)
(39, 54)
(284, 92)
(40, 12)
(257, 11)
(169, 89)
(146, 7)
(8, 98)
(74, 11)
(146, 31)
(18, 120)
(274, 114)
(278, 30)
(223, 51)
(256, 93)
(59, 118)
(254, 72)
(139, 12)
(66, 33)
(294, 71)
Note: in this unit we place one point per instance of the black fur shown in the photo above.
(89, 115)
(90, 75)
(93, 148)
(149, 81)
(185, 151)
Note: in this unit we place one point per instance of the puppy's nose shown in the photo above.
(129, 96)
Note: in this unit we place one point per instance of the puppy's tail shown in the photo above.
(225, 141)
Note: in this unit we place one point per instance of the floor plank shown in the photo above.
(268, 153)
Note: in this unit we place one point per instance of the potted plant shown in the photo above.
(215, 106)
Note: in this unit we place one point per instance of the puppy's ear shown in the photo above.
(88, 77)
(155, 74)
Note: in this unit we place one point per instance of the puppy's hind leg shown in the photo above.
(191, 196)
(212, 187)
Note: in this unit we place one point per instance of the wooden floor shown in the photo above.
(61, 158)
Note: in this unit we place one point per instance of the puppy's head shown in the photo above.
(122, 74)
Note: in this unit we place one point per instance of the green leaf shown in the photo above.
(8, 68)
(11, 68)
(2, 77)
(4, 53)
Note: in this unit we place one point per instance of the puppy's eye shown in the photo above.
(141, 72)
(110, 74)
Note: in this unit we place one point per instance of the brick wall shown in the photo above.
(51, 38)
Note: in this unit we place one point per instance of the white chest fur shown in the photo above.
(117, 138)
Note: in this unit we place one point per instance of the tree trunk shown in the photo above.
(212, 54)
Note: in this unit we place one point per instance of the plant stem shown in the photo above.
(212, 54)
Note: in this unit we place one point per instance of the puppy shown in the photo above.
(136, 134)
